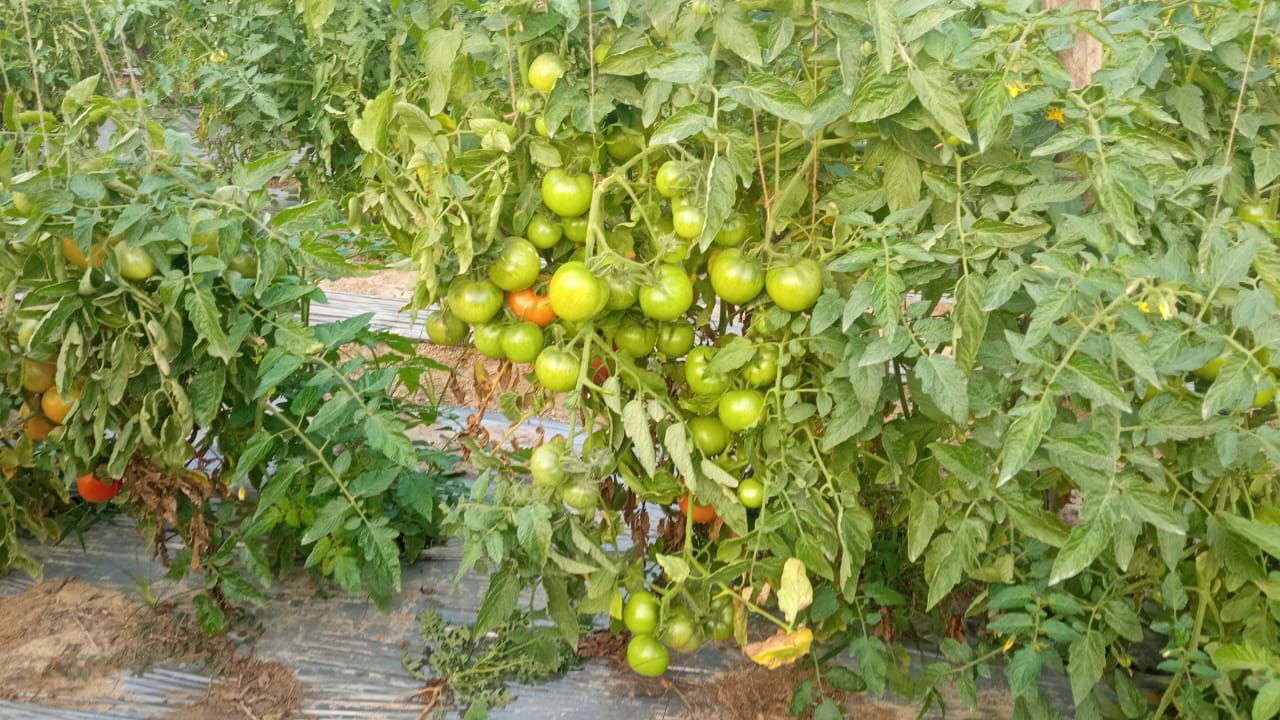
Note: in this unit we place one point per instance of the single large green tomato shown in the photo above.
(564, 194)
(581, 496)
(1255, 213)
(720, 625)
(672, 179)
(623, 143)
(542, 231)
(635, 338)
(575, 228)
(522, 342)
(709, 434)
(640, 614)
(474, 301)
(751, 493)
(736, 278)
(577, 294)
(687, 220)
(698, 374)
(544, 463)
(444, 328)
(135, 263)
(517, 266)
(670, 296)
(556, 369)
(623, 291)
(794, 287)
(488, 340)
(675, 339)
(763, 368)
(741, 409)
(647, 656)
(1266, 391)
(1209, 371)
(23, 203)
(679, 631)
(545, 70)
(733, 231)
(203, 240)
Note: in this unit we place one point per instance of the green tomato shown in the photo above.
(557, 370)
(733, 231)
(670, 297)
(741, 409)
(623, 143)
(203, 240)
(517, 266)
(1209, 371)
(736, 278)
(26, 330)
(544, 463)
(647, 656)
(23, 203)
(545, 70)
(698, 374)
(720, 626)
(687, 220)
(564, 194)
(709, 434)
(640, 614)
(542, 232)
(635, 338)
(794, 287)
(581, 496)
(135, 263)
(443, 328)
(751, 493)
(577, 294)
(540, 126)
(575, 228)
(1266, 391)
(474, 301)
(672, 180)
(623, 291)
(675, 339)
(522, 342)
(1255, 213)
(763, 368)
(679, 631)
(488, 339)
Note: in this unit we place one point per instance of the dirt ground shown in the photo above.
(381, 283)
(63, 642)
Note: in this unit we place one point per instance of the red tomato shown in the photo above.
(528, 305)
(702, 514)
(94, 490)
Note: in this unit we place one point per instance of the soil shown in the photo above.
(753, 692)
(381, 283)
(65, 642)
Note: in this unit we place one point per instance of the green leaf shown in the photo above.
(636, 424)
(968, 462)
(684, 68)
(873, 661)
(1229, 657)
(1266, 168)
(327, 520)
(1032, 419)
(276, 366)
(884, 25)
(735, 33)
(533, 530)
(370, 129)
(676, 442)
(1092, 379)
(1007, 235)
(881, 95)
(255, 175)
(945, 384)
(937, 92)
(499, 602)
(902, 180)
(767, 93)
(442, 48)
(259, 447)
(570, 10)
(921, 523)
(970, 320)
(385, 434)
(560, 608)
(828, 709)
(795, 593)
(209, 615)
(1233, 389)
(1261, 535)
(1266, 705)
(674, 565)
(1085, 543)
(1023, 670)
(682, 124)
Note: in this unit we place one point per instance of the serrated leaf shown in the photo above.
(674, 565)
(970, 320)
(937, 92)
(370, 129)
(733, 32)
(767, 93)
(1085, 543)
(1087, 376)
(884, 25)
(636, 424)
(945, 384)
(255, 175)
(795, 593)
(881, 95)
(682, 124)
(499, 602)
(921, 524)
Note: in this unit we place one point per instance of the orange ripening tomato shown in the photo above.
(528, 305)
(702, 514)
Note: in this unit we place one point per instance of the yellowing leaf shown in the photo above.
(783, 648)
(796, 593)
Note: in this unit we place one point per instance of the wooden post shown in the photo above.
(1085, 57)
